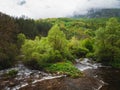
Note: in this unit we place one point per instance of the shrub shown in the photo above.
(65, 68)
(11, 73)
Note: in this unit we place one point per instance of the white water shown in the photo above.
(24, 74)
(48, 78)
(86, 64)
(35, 76)
(35, 81)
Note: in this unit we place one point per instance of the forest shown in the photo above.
(59, 46)
(49, 44)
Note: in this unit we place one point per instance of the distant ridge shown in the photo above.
(100, 13)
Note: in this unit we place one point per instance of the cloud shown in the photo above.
(88, 4)
(53, 8)
(21, 2)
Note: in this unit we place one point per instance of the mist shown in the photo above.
(53, 8)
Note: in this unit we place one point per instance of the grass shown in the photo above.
(115, 65)
(11, 73)
(65, 68)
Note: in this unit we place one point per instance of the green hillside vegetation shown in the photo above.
(49, 44)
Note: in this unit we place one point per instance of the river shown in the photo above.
(97, 77)
(108, 76)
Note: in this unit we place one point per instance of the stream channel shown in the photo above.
(96, 77)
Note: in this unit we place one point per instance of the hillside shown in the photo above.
(100, 13)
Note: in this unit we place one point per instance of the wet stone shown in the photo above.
(4, 83)
(11, 84)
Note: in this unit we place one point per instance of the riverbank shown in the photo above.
(96, 77)
(23, 77)
(86, 83)
(26, 78)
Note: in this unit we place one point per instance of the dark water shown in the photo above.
(111, 77)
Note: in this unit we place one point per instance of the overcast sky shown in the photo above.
(53, 8)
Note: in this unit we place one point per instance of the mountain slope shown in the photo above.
(100, 13)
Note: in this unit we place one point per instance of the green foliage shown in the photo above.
(88, 44)
(27, 27)
(57, 38)
(43, 26)
(65, 68)
(35, 50)
(76, 48)
(49, 49)
(65, 39)
(20, 39)
(8, 37)
(107, 47)
(90, 32)
(12, 73)
(55, 56)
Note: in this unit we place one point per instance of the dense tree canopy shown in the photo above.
(108, 42)
(55, 40)
(8, 39)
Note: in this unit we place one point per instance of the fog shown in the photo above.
(53, 8)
